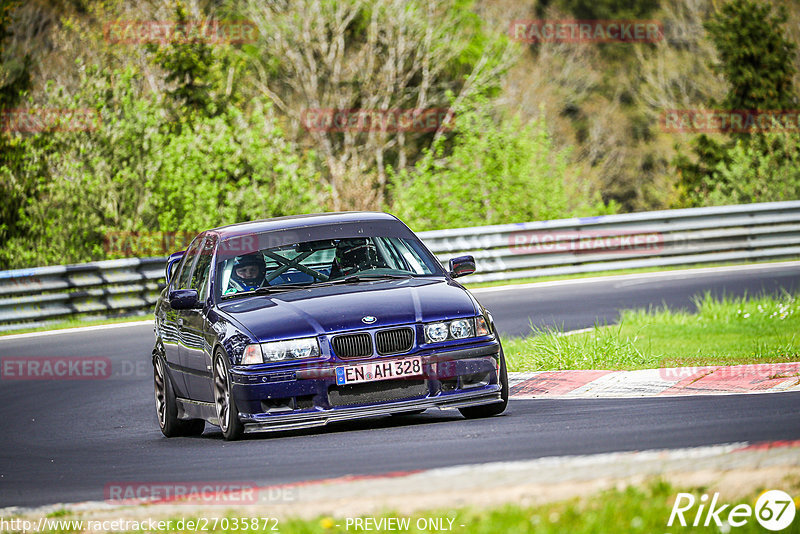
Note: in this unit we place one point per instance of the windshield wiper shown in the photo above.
(355, 278)
(266, 290)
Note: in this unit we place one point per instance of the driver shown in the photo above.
(248, 272)
(353, 255)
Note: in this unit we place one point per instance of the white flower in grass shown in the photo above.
(746, 315)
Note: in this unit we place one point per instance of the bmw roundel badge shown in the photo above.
(368, 319)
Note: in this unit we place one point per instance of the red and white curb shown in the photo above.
(709, 380)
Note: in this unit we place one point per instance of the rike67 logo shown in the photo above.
(774, 510)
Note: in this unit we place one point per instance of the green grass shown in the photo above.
(613, 273)
(635, 509)
(730, 331)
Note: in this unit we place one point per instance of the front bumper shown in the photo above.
(305, 396)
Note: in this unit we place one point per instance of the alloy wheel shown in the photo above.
(222, 393)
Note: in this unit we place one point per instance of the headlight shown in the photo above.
(461, 328)
(456, 329)
(435, 332)
(276, 351)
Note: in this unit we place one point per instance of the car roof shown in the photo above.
(299, 221)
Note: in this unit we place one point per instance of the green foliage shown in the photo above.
(228, 169)
(755, 57)
(757, 62)
(133, 173)
(194, 71)
(187, 138)
(753, 174)
(494, 173)
(608, 9)
(15, 80)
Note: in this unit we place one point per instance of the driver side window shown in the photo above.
(200, 274)
(185, 268)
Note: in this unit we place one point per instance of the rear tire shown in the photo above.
(167, 406)
(489, 410)
(227, 412)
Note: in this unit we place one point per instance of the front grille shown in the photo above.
(353, 346)
(394, 341)
(375, 392)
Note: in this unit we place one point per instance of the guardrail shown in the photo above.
(628, 241)
(34, 297)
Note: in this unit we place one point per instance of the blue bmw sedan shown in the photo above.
(300, 321)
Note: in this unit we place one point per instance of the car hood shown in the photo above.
(327, 309)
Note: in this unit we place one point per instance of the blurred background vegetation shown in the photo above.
(192, 136)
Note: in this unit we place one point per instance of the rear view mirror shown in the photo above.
(183, 299)
(462, 266)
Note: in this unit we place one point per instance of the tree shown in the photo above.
(380, 57)
(756, 175)
(757, 61)
(15, 80)
(495, 172)
(194, 71)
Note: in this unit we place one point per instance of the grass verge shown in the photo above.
(646, 508)
(729, 331)
(632, 509)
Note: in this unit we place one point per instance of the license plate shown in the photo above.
(379, 370)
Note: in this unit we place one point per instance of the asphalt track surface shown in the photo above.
(65, 441)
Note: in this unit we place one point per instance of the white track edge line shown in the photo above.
(77, 329)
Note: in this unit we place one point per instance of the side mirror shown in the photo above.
(172, 263)
(462, 266)
(183, 299)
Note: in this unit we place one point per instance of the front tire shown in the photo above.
(489, 410)
(167, 406)
(227, 412)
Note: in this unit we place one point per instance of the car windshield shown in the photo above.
(326, 261)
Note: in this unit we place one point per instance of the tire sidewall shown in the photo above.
(233, 428)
